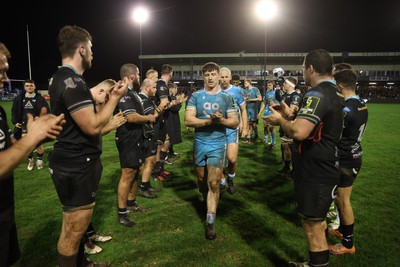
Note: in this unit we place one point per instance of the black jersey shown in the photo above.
(129, 104)
(7, 181)
(69, 93)
(149, 128)
(279, 95)
(148, 104)
(316, 158)
(355, 123)
(162, 92)
(290, 99)
(23, 105)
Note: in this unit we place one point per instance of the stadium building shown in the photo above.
(377, 71)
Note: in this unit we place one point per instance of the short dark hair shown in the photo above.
(341, 66)
(347, 77)
(166, 69)
(321, 60)
(29, 81)
(127, 69)
(236, 77)
(210, 66)
(70, 38)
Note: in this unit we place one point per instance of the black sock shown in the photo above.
(66, 261)
(347, 231)
(81, 260)
(90, 230)
(320, 258)
(287, 164)
(157, 168)
(145, 186)
(122, 211)
(162, 166)
(131, 202)
(39, 156)
(163, 155)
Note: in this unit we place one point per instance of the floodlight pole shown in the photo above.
(29, 52)
(140, 15)
(265, 57)
(140, 50)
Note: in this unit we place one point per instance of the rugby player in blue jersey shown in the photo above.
(232, 135)
(269, 99)
(210, 111)
(252, 97)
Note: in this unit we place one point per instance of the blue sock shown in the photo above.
(273, 139)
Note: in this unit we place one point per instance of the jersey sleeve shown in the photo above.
(162, 90)
(76, 98)
(240, 98)
(230, 104)
(126, 105)
(313, 107)
(44, 104)
(191, 105)
(348, 115)
(257, 91)
(148, 106)
(296, 99)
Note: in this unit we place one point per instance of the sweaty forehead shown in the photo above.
(211, 72)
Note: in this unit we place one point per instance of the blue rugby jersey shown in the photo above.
(204, 104)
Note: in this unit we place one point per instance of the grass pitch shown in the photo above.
(257, 226)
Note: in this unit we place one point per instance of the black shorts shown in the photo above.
(162, 131)
(349, 170)
(77, 186)
(347, 176)
(130, 155)
(150, 148)
(314, 199)
(9, 248)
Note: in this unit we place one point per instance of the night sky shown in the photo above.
(204, 26)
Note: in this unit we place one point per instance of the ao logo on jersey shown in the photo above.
(209, 107)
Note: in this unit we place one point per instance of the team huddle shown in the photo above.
(320, 130)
